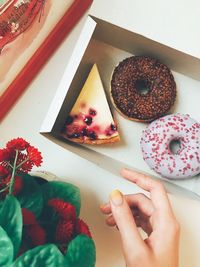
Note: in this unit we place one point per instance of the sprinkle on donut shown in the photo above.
(142, 88)
(157, 146)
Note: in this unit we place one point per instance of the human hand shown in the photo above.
(154, 215)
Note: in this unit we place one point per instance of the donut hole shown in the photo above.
(142, 87)
(175, 146)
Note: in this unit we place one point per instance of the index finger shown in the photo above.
(156, 189)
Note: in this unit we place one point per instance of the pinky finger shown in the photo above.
(110, 221)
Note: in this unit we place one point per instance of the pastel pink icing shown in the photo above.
(155, 145)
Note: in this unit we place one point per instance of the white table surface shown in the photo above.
(179, 19)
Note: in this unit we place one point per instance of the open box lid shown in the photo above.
(175, 24)
(131, 42)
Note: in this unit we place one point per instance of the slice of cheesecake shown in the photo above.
(90, 120)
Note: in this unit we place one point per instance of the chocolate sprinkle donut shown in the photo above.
(142, 88)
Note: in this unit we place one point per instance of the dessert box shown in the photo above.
(106, 45)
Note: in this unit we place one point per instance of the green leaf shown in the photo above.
(11, 221)
(62, 190)
(1, 204)
(42, 256)
(81, 252)
(6, 249)
(31, 195)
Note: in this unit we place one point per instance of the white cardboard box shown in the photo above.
(106, 44)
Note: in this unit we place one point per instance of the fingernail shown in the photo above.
(116, 197)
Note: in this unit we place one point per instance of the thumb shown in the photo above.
(131, 239)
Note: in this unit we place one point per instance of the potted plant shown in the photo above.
(39, 219)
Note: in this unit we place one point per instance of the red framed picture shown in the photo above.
(30, 31)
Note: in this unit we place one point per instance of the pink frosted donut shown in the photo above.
(171, 146)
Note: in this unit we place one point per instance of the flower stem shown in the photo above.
(9, 165)
(12, 179)
(20, 164)
(4, 189)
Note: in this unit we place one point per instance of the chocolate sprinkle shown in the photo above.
(160, 88)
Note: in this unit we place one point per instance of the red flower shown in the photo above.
(82, 228)
(27, 165)
(64, 209)
(28, 217)
(3, 172)
(18, 185)
(27, 156)
(17, 144)
(5, 154)
(4, 182)
(33, 234)
(64, 231)
(34, 155)
(36, 235)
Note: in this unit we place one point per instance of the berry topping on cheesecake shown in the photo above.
(90, 120)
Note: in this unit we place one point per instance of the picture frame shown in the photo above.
(24, 73)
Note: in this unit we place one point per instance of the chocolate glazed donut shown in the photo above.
(142, 88)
